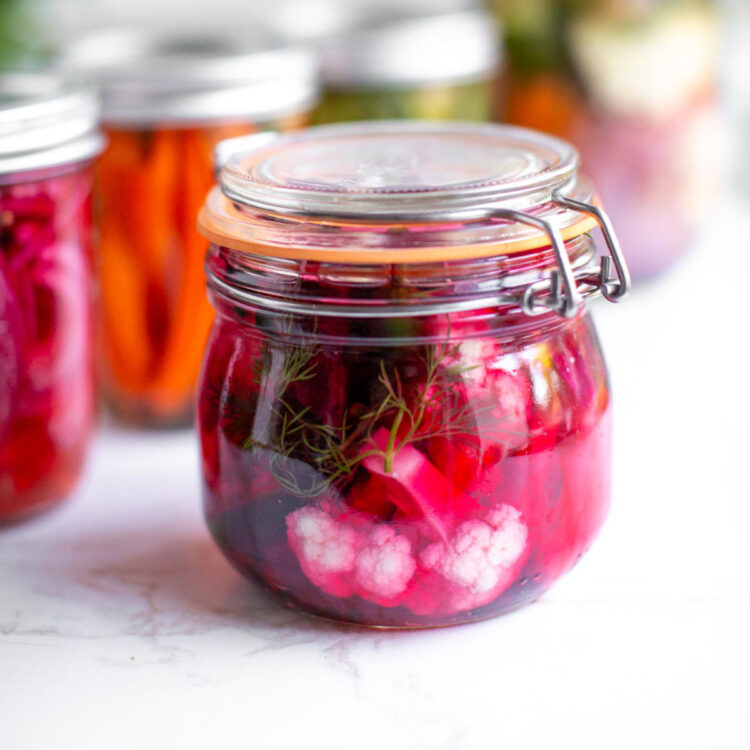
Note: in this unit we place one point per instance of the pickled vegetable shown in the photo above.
(155, 315)
(409, 484)
(46, 377)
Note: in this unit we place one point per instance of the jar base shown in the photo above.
(463, 618)
(143, 417)
(24, 515)
(50, 492)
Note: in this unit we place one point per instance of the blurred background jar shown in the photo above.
(735, 91)
(392, 60)
(23, 34)
(168, 98)
(48, 138)
(633, 85)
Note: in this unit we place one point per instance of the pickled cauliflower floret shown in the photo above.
(351, 555)
(481, 557)
(385, 565)
(325, 548)
(499, 385)
(343, 558)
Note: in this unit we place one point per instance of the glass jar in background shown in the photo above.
(22, 35)
(167, 101)
(404, 410)
(48, 138)
(633, 86)
(389, 61)
(735, 63)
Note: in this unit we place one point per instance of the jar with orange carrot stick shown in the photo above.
(167, 101)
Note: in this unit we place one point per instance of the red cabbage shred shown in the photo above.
(46, 384)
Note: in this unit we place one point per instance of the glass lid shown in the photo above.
(397, 192)
(396, 171)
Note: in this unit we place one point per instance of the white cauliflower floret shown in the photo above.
(341, 559)
(352, 556)
(510, 535)
(324, 545)
(385, 565)
(480, 555)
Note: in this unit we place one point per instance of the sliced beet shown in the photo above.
(417, 488)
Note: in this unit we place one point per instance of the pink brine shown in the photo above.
(478, 508)
(46, 380)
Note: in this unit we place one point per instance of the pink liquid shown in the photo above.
(46, 389)
(474, 498)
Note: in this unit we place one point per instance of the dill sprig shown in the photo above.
(435, 407)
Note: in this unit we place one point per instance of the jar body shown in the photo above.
(447, 101)
(412, 472)
(649, 134)
(151, 182)
(46, 374)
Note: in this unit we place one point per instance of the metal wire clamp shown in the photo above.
(560, 293)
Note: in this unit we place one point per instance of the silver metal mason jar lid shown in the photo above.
(193, 76)
(391, 45)
(45, 121)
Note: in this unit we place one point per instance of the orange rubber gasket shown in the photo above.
(535, 240)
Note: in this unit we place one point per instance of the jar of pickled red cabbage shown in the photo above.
(390, 61)
(634, 86)
(167, 100)
(48, 138)
(404, 412)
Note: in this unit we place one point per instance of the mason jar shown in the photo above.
(404, 412)
(634, 86)
(391, 61)
(48, 138)
(167, 100)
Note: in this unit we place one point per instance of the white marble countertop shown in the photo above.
(121, 626)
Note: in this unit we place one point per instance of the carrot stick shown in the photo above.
(136, 178)
(123, 320)
(192, 313)
(156, 316)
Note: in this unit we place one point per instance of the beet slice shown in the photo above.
(417, 488)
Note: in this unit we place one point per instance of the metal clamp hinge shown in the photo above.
(565, 292)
